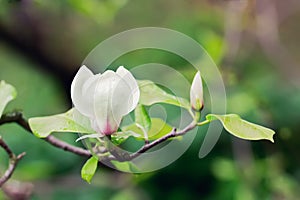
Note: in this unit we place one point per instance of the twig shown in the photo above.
(67, 147)
(172, 134)
(13, 161)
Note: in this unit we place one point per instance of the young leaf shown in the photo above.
(158, 128)
(125, 166)
(150, 94)
(142, 118)
(241, 128)
(71, 121)
(7, 93)
(120, 137)
(89, 168)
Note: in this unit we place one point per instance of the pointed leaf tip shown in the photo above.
(71, 121)
(89, 168)
(242, 128)
(7, 93)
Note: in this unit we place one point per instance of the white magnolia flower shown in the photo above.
(196, 93)
(105, 98)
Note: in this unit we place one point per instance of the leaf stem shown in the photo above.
(197, 116)
(144, 132)
(203, 123)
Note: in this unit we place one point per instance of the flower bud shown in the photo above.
(105, 98)
(196, 93)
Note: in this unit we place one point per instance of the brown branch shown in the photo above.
(67, 147)
(17, 117)
(13, 161)
(172, 134)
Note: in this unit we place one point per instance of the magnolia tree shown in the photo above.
(102, 102)
(113, 110)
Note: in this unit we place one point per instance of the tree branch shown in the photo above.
(17, 117)
(67, 147)
(172, 134)
(13, 161)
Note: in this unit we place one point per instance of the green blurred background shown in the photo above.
(255, 45)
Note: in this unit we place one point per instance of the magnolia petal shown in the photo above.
(105, 98)
(122, 96)
(132, 83)
(89, 86)
(106, 119)
(196, 92)
(88, 93)
(79, 100)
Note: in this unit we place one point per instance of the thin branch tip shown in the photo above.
(13, 161)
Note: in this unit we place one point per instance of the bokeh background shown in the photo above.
(255, 45)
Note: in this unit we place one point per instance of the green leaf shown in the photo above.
(158, 129)
(7, 93)
(120, 137)
(142, 118)
(71, 121)
(89, 168)
(241, 128)
(150, 94)
(125, 166)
